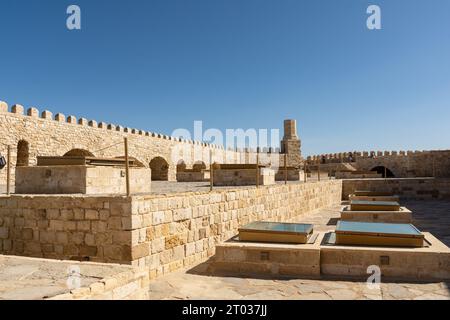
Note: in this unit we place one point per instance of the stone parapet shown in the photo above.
(405, 188)
(160, 232)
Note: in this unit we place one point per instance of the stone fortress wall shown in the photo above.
(399, 164)
(162, 233)
(31, 134)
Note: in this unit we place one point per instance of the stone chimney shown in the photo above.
(290, 144)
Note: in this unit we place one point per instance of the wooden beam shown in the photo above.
(211, 172)
(127, 166)
(257, 167)
(8, 171)
(285, 169)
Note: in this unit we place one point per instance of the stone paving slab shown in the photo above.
(23, 278)
(166, 187)
(186, 286)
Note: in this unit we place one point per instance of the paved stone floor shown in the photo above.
(24, 278)
(431, 216)
(166, 187)
(162, 187)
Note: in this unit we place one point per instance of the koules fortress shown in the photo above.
(76, 190)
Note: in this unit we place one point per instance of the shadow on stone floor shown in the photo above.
(203, 269)
(332, 221)
(432, 216)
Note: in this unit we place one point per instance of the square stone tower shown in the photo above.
(291, 144)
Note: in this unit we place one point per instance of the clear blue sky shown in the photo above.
(160, 65)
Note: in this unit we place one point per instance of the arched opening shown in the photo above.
(385, 172)
(79, 153)
(23, 154)
(199, 166)
(181, 166)
(160, 169)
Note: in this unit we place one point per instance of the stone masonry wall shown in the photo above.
(85, 228)
(80, 179)
(161, 233)
(183, 229)
(408, 188)
(55, 135)
(403, 164)
(243, 177)
(46, 134)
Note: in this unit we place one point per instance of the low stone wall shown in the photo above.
(80, 179)
(406, 188)
(183, 229)
(86, 228)
(357, 175)
(247, 258)
(243, 177)
(320, 257)
(161, 233)
(129, 285)
(292, 175)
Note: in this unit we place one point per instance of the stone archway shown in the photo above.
(199, 166)
(23, 154)
(181, 166)
(385, 172)
(78, 153)
(160, 169)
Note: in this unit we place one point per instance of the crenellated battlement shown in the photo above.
(404, 164)
(33, 112)
(31, 133)
(355, 155)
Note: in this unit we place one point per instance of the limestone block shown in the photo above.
(80, 293)
(57, 225)
(88, 251)
(109, 283)
(60, 117)
(72, 119)
(93, 123)
(17, 108)
(157, 245)
(182, 214)
(122, 237)
(4, 232)
(92, 214)
(27, 234)
(82, 122)
(189, 249)
(102, 125)
(47, 115)
(89, 239)
(83, 225)
(33, 112)
(139, 251)
(97, 287)
(122, 292)
(3, 106)
(158, 217)
(62, 238)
